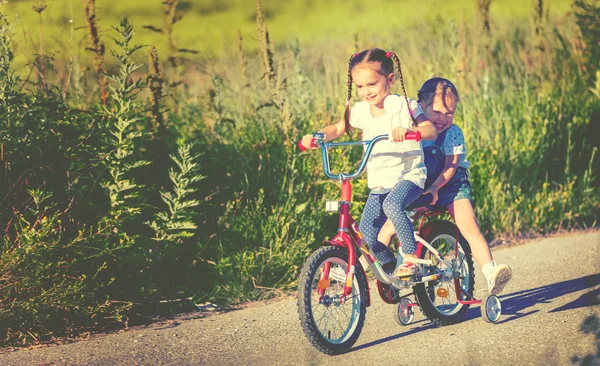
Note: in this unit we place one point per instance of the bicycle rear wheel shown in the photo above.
(331, 324)
(438, 299)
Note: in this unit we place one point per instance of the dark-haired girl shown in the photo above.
(451, 190)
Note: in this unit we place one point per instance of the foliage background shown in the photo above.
(138, 178)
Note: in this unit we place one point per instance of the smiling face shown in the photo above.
(438, 98)
(372, 86)
(440, 112)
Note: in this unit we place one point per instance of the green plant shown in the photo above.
(176, 224)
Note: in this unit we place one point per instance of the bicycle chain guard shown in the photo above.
(388, 294)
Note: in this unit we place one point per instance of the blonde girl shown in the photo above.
(395, 171)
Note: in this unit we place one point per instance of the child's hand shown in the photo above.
(306, 139)
(399, 133)
(434, 194)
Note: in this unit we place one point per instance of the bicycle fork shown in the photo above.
(347, 235)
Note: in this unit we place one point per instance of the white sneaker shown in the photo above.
(497, 277)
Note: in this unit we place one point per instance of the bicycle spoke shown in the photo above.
(333, 319)
(343, 311)
(337, 322)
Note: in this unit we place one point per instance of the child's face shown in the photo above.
(372, 86)
(440, 113)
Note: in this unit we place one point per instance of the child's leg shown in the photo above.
(371, 222)
(372, 218)
(403, 194)
(497, 275)
(464, 216)
(386, 233)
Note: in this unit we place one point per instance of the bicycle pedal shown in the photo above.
(413, 278)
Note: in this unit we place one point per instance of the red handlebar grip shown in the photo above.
(413, 135)
(302, 148)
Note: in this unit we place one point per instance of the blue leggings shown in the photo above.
(381, 206)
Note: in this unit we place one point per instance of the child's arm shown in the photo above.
(427, 129)
(424, 126)
(450, 165)
(331, 132)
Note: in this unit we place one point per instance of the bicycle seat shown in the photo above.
(422, 206)
(421, 201)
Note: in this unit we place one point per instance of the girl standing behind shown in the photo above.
(451, 190)
(395, 171)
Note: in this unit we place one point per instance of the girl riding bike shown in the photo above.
(333, 291)
(396, 171)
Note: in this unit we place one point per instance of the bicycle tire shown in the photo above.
(309, 305)
(432, 296)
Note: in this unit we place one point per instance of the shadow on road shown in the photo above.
(515, 303)
(396, 336)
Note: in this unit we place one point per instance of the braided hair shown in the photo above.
(397, 61)
(386, 61)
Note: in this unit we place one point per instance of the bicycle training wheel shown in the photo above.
(331, 324)
(491, 308)
(404, 313)
(438, 299)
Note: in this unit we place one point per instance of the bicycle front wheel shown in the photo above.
(439, 300)
(332, 324)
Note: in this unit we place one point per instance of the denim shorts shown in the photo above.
(457, 188)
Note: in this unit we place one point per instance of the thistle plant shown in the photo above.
(156, 81)
(243, 60)
(170, 17)
(170, 7)
(483, 9)
(538, 18)
(276, 82)
(587, 15)
(97, 46)
(40, 59)
(8, 78)
(266, 54)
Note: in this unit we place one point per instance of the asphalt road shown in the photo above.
(555, 288)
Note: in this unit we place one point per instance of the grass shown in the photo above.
(210, 26)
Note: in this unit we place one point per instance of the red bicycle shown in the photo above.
(334, 293)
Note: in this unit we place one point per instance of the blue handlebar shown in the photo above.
(318, 139)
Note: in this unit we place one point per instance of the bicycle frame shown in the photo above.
(349, 236)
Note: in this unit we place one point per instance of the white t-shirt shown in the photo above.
(389, 162)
